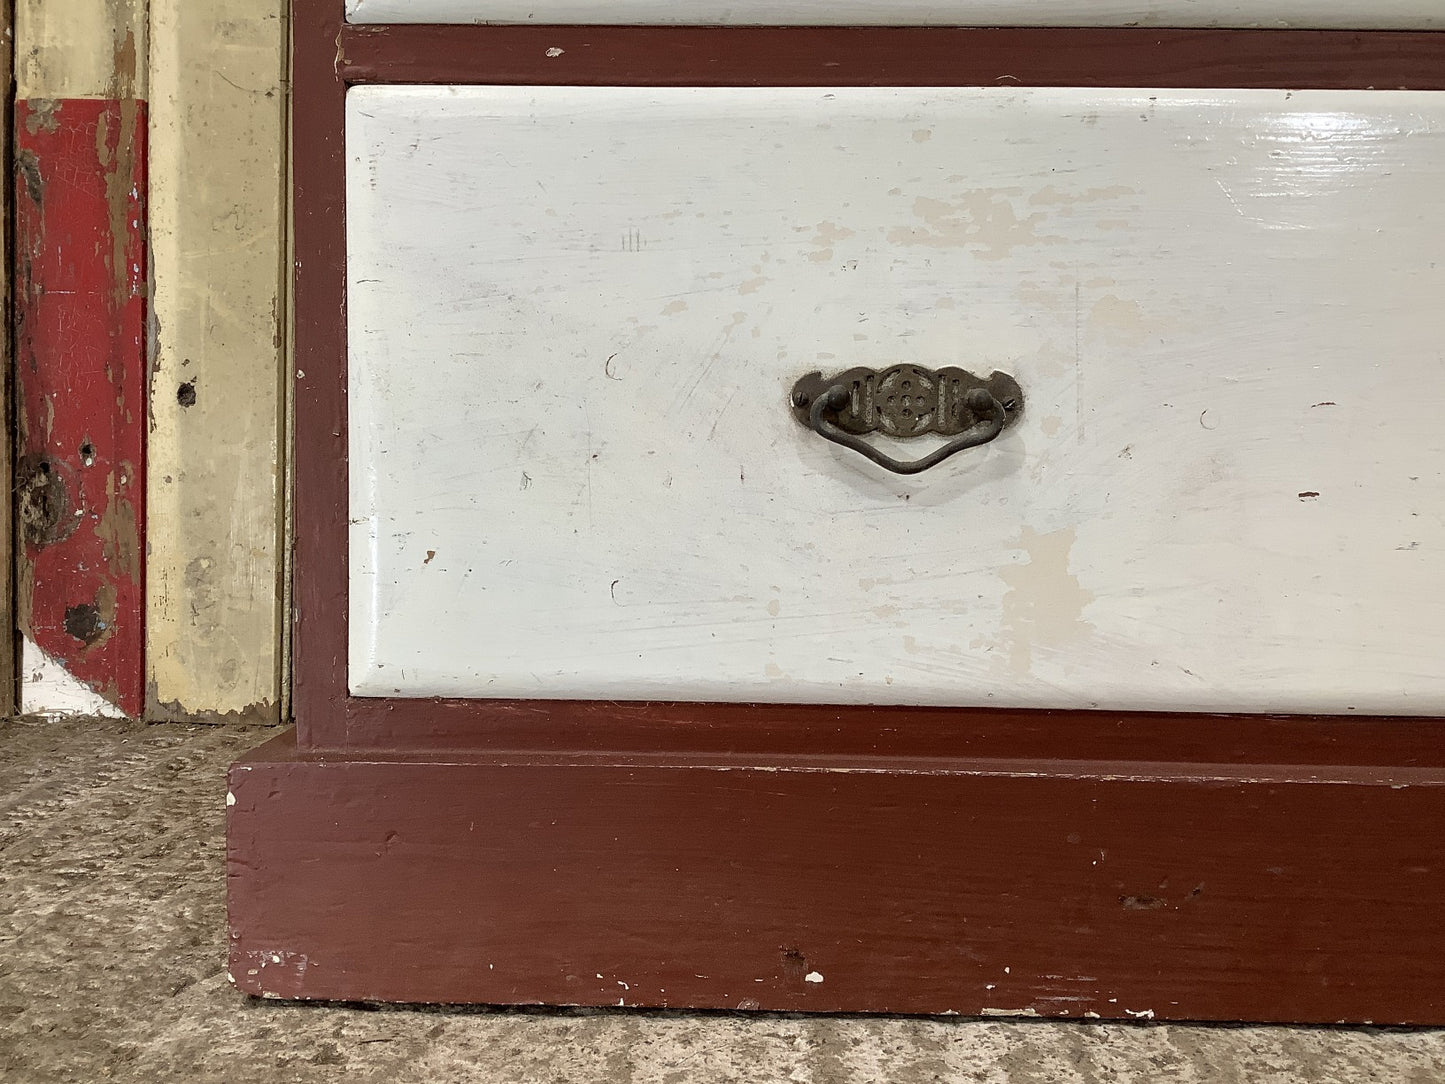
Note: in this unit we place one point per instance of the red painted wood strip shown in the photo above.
(893, 56)
(319, 466)
(80, 282)
(463, 880)
(777, 732)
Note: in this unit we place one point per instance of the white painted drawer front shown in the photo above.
(575, 315)
(1321, 14)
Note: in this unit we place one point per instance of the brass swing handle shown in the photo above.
(907, 401)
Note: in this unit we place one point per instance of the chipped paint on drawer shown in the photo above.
(575, 314)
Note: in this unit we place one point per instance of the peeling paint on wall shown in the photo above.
(49, 690)
(80, 49)
(218, 109)
(80, 298)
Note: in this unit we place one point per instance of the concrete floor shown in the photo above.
(112, 943)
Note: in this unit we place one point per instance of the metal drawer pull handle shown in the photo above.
(907, 401)
(979, 401)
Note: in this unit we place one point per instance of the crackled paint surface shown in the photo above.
(80, 290)
(1419, 14)
(212, 633)
(575, 315)
(80, 297)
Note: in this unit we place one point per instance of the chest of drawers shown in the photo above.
(618, 683)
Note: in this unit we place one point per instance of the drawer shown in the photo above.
(576, 314)
(1380, 14)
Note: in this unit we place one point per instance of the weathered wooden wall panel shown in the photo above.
(217, 211)
(80, 331)
(80, 312)
(213, 617)
(9, 651)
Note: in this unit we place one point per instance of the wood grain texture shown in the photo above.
(574, 473)
(80, 293)
(1344, 14)
(218, 231)
(957, 888)
(81, 284)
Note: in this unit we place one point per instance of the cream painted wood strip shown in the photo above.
(575, 315)
(1339, 14)
(80, 48)
(217, 174)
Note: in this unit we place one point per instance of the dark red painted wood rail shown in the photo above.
(932, 890)
(892, 56)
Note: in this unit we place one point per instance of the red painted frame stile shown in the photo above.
(712, 855)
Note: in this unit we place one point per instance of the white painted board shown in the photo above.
(1320, 14)
(49, 690)
(575, 315)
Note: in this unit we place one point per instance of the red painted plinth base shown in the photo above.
(971, 887)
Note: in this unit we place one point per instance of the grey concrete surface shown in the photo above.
(112, 943)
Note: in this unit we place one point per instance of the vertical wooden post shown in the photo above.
(9, 647)
(218, 173)
(80, 295)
